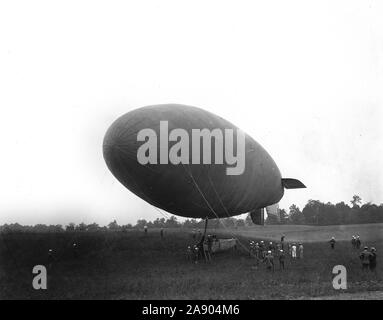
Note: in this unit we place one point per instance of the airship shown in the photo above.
(193, 163)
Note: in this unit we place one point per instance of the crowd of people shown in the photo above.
(202, 249)
(270, 252)
(367, 256)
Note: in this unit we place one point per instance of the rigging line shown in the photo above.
(219, 198)
(207, 202)
(216, 192)
(232, 234)
(165, 215)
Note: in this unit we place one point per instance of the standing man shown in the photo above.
(146, 229)
(332, 243)
(189, 253)
(206, 252)
(162, 232)
(294, 251)
(196, 253)
(282, 241)
(300, 251)
(75, 250)
(365, 257)
(281, 260)
(269, 259)
(50, 258)
(272, 247)
(251, 248)
(256, 248)
(262, 249)
(373, 260)
(358, 242)
(353, 242)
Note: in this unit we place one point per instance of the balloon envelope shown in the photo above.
(186, 189)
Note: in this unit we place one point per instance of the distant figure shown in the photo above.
(195, 253)
(190, 254)
(75, 250)
(373, 260)
(332, 243)
(300, 249)
(162, 233)
(210, 240)
(206, 252)
(294, 251)
(251, 248)
(50, 258)
(365, 257)
(353, 241)
(281, 260)
(282, 238)
(358, 242)
(146, 229)
(269, 260)
(262, 249)
(256, 251)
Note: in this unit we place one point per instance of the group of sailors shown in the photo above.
(202, 249)
(367, 256)
(355, 242)
(368, 259)
(268, 252)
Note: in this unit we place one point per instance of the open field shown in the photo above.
(132, 265)
(367, 232)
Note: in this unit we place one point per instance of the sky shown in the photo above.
(303, 78)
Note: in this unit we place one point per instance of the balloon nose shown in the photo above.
(111, 147)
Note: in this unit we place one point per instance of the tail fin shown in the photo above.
(273, 210)
(258, 216)
(289, 183)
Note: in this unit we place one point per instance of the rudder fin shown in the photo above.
(258, 216)
(290, 183)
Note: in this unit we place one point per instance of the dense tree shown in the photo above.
(172, 222)
(314, 212)
(70, 227)
(356, 201)
(295, 215)
(92, 227)
(248, 220)
(113, 226)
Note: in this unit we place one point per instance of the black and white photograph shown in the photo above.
(220, 151)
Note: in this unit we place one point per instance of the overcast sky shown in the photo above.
(303, 78)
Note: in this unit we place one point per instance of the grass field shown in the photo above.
(136, 266)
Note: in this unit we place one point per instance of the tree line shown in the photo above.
(314, 212)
